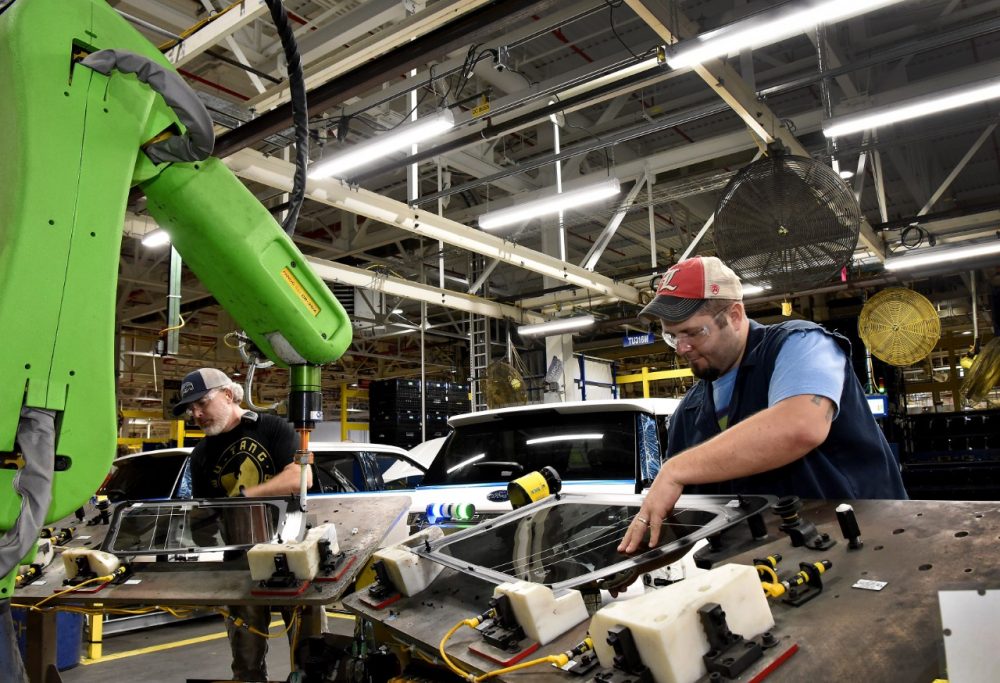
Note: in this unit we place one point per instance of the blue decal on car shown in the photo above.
(498, 496)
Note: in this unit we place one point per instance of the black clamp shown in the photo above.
(729, 654)
(383, 588)
(806, 584)
(283, 577)
(628, 666)
(802, 532)
(502, 631)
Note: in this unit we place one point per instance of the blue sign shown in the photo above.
(639, 339)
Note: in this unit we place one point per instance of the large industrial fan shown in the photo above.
(786, 223)
(984, 373)
(899, 326)
(503, 385)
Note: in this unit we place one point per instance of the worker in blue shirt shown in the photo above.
(778, 409)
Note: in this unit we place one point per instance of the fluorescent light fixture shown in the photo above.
(564, 437)
(944, 100)
(624, 72)
(572, 199)
(156, 238)
(768, 27)
(556, 326)
(465, 463)
(397, 140)
(846, 174)
(926, 257)
(396, 311)
(752, 290)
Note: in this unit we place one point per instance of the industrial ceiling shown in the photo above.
(527, 84)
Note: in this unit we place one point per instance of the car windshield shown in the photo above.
(585, 446)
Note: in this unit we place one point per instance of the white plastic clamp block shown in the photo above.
(99, 562)
(542, 614)
(409, 572)
(667, 628)
(302, 556)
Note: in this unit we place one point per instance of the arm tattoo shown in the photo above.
(818, 400)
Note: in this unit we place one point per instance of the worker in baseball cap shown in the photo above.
(778, 408)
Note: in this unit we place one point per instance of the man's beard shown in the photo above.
(708, 373)
(214, 428)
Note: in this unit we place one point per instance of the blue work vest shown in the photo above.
(854, 462)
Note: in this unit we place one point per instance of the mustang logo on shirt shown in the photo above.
(244, 463)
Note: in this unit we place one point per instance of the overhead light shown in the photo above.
(556, 326)
(611, 77)
(551, 204)
(928, 257)
(846, 174)
(751, 290)
(943, 100)
(396, 311)
(766, 28)
(156, 238)
(564, 437)
(396, 140)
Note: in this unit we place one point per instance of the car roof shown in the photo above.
(654, 406)
(326, 446)
(356, 446)
(158, 453)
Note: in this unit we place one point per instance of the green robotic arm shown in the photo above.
(76, 141)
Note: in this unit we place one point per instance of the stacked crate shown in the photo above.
(394, 409)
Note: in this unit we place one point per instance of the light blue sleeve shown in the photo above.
(810, 362)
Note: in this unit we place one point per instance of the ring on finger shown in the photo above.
(643, 520)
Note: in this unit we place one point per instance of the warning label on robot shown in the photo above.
(300, 291)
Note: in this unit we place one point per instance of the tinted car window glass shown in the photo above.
(338, 473)
(580, 446)
(387, 460)
(144, 477)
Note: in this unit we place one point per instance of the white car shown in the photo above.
(339, 467)
(596, 446)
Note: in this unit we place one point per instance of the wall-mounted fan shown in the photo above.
(503, 385)
(786, 223)
(899, 326)
(984, 373)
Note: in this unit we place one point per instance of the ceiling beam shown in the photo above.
(382, 43)
(214, 31)
(735, 92)
(339, 273)
(273, 172)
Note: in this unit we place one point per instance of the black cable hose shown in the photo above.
(300, 112)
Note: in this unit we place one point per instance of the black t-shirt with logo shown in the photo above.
(251, 453)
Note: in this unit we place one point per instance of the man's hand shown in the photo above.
(285, 483)
(660, 500)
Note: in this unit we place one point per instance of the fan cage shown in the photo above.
(786, 223)
(899, 326)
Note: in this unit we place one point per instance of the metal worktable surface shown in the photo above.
(918, 547)
(362, 522)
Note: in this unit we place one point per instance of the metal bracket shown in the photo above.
(628, 664)
(502, 631)
(730, 654)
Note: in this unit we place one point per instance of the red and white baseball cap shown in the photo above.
(688, 284)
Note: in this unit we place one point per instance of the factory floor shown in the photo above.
(195, 650)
